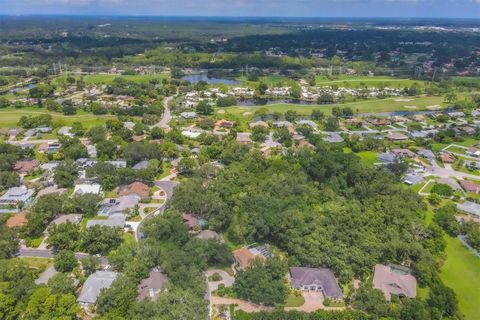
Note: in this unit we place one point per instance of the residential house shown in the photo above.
(280, 124)
(151, 287)
(427, 154)
(333, 137)
(17, 194)
(141, 165)
(245, 256)
(87, 188)
(188, 115)
(65, 131)
(309, 123)
(258, 124)
(224, 124)
(26, 166)
(244, 137)
(191, 221)
(316, 279)
(72, 218)
(447, 157)
(125, 205)
(457, 114)
(118, 163)
(469, 207)
(137, 188)
(394, 282)
(208, 235)
(51, 190)
(470, 186)
(113, 221)
(474, 152)
(396, 136)
(387, 158)
(93, 286)
(472, 165)
(92, 151)
(413, 179)
(403, 153)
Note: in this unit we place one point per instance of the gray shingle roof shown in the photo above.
(94, 285)
(323, 277)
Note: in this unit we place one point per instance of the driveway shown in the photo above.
(240, 304)
(227, 279)
(313, 302)
(448, 173)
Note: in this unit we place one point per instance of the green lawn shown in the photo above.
(9, 117)
(358, 81)
(108, 78)
(368, 157)
(461, 272)
(364, 106)
(294, 301)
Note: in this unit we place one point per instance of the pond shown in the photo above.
(196, 78)
(27, 87)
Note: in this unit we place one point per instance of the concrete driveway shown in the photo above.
(227, 279)
(448, 173)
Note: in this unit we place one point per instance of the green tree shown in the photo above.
(101, 239)
(204, 108)
(64, 236)
(65, 261)
(61, 283)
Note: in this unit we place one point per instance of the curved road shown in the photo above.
(167, 115)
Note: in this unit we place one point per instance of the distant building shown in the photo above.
(397, 137)
(413, 179)
(427, 154)
(138, 188)
(470, 186)
(113, 221)
(188, 115)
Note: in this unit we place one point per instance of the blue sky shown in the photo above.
(284, 8)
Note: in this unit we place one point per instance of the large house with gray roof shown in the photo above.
(316, 279)
(93, 286)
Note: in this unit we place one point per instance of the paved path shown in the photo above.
(448, 173)
(313, 302)
(167, 115)
(227, 279)
(241, 304)
(42, 253)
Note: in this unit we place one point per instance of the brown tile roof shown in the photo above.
(392, 283)
(447, 158)
(244, 257)
(190, 220)
(25, 166)
(469, 186)
(138, 188)
(18, 220)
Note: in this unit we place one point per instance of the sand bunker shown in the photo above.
(435, 107)
(403, 100)
(246, 114)
(410, 107)
(221, 111)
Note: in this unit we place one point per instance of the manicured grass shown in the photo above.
(364, 106)
(294, 301)
(37, 263)
(368, 157)
(9, 117)
(359, 81)
(461, 272)
(108, 78)
(129, 237)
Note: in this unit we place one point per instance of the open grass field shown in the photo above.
(108, 78)
(461, 272)
(364, 106)
(361, 81)
(9, 117)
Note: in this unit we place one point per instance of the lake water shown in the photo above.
(27, 87)
(196, 78)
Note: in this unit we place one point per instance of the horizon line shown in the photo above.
(227, 16)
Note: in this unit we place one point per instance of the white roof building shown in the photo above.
(87, 188)
(93, 286)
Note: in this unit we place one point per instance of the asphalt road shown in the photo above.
(42, 253)
(167, 115)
